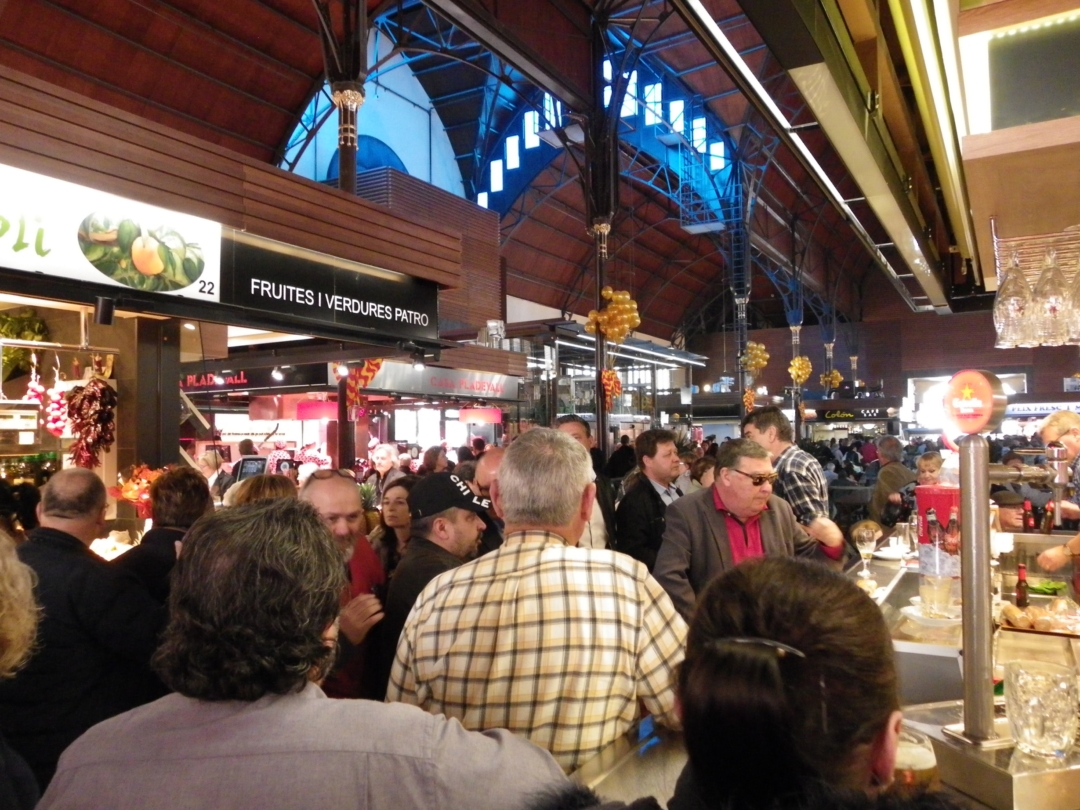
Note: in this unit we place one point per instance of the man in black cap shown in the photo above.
(446, 527)
(1010, 510)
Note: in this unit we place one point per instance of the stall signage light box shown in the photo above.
(61, 229)
(404, 379)
(79, 235)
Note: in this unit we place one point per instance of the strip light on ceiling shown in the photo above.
(669, 358)
(885, 207)
(579, 347)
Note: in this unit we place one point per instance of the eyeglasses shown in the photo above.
(757, 479)
(323, 475)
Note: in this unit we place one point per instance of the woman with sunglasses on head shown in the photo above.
(737, 519)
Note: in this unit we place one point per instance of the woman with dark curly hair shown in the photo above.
(434, 461)
(390, 537)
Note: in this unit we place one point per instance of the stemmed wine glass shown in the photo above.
(866, 542)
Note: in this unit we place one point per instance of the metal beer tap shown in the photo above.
(1054, 474)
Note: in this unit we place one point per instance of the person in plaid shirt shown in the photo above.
(554, 642)
(800, 481)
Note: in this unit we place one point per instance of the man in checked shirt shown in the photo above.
(554, 642)
(800, 481)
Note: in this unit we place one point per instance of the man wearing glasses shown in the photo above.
(736, 519)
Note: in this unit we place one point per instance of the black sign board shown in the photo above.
(304, 286)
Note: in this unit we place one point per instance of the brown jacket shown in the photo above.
(696, 547)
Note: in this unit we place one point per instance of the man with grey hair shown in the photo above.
(554, 642)
(98, 629)
(892, 477)
(736, 519)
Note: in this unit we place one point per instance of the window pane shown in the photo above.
(513, 152)
(676, 109)
(496, 176)
(531, 122)
(653, 103)
(717, 157)
(697, 137)
(482, 199)
(629, 104)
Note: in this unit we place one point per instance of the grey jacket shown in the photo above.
(291, 751)
(696, 546)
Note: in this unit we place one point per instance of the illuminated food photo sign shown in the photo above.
(56, 228)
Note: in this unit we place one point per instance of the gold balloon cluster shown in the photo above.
(755, 358)
(799, 368)
(618, 319)
(748, 399)
(832, 379)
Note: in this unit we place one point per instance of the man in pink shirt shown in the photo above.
(738, 518)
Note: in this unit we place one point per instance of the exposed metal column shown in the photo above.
(345, 62)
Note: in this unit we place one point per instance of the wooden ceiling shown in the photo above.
(239, 73)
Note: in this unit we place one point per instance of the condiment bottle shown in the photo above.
(1021, 586)
(1029, 517)
(1047, 525)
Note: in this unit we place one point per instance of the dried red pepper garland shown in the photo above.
(92, 410)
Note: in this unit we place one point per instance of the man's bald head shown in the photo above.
(73, 501)
(487, 469)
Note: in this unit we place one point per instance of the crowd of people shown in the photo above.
(500, 626)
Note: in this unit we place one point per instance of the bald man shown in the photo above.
(487, 471)
(98, 629)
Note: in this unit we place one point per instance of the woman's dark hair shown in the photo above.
(252, 595)
(179, 497)
(465, 453)
(246, 447)
(788, 674)
(431, 459)
(701, 466)
(383, 540)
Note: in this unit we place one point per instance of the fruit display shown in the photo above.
(56, 412)
(799, 368)
(158, 260)
(618, 319)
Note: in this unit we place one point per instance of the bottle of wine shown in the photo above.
(1029, 517)
(1047, 525)
(1021, 586)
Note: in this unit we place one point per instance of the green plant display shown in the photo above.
(149, 260)
(23, 324)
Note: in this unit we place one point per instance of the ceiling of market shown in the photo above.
(240, 73)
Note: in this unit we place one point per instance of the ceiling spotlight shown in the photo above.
(189, 326)
(341, 370)
(418, 359)
(277, 374)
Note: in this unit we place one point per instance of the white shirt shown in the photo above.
(595, 534)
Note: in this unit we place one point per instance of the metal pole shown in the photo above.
(975, 588)
(603, 440)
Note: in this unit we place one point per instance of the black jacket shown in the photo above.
(152, 560)
(605, 496)
(640, 522)
(622, 461)
(99, 627)
(421, 563)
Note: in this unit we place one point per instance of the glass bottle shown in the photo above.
(1047, 525)
(1029, 518)
(1051, 301)
(1011, 306)
(1021, 586)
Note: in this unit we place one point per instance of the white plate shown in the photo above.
(894, 553)
(915, 614)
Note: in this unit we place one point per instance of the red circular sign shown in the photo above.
(974, 401)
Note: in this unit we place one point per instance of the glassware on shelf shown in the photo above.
(1074, 307)
(1011, 307)
(1051, 301)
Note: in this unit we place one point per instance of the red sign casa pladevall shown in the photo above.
(974, 401)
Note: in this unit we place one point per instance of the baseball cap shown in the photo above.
(1006, 497)
(441, 491)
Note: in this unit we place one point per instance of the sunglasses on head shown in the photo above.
(757, 479)
(322, 475)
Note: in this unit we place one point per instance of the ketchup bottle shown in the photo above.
(1029, 518)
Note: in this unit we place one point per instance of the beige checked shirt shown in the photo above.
(553, 642)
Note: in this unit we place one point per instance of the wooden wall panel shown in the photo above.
(482, 297)
(482, 358)
(64, 135)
